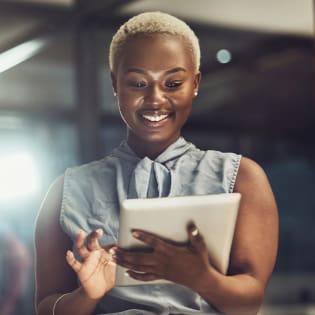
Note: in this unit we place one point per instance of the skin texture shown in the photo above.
(153, 79)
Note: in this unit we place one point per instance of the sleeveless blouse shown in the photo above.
(93, 193)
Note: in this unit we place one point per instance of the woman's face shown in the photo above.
(155, 81)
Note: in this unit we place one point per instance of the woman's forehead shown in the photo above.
(156, 52)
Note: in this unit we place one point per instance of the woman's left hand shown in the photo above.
(183, 264)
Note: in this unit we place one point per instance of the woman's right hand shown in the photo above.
(96, 270)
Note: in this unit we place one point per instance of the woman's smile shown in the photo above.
(155, 117)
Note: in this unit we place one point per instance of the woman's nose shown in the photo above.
(155, 95)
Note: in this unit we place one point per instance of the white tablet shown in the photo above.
(214, 215)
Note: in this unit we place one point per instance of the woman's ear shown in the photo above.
(114, 83)
(197, 80)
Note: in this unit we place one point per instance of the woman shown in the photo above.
(154, 62)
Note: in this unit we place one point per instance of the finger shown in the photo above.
(92, 240)
(154, 241)
(195, 238)
(80, 246)
(111, 251)
(110, 248)
(104, 259)
(142, 276)
(73, 262)
(135, 258)
(138, 268)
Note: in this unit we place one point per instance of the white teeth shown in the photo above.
(155, 117)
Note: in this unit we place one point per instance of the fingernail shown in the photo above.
(194, 232)
(113, 258)
(135, 234)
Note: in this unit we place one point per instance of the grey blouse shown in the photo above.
(93, 193)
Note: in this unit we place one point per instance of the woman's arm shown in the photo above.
(252, 257)
(55, 263)
(254, 247)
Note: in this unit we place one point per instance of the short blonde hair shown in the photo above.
(153, 23)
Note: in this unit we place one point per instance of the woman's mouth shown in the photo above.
(155, 117)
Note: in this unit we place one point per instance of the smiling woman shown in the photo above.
(154, 62)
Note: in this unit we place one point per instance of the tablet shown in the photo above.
(214, 215)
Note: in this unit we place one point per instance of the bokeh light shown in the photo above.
(18, 176)
(224, 56)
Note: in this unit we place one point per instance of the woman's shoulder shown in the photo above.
(219, 161)
(91, 172)
(213, 156)
(52, 200)
(89, 166)
(47, 219)
(217, 155)
(251, 177)
(216, 168)
(250, 170)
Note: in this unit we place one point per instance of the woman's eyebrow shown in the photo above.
(177, 69)
(138, 70)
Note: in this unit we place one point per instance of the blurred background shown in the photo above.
(57, 110)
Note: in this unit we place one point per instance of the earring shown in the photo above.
(196, 93)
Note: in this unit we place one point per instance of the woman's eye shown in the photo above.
(173, 84)
(138, 84)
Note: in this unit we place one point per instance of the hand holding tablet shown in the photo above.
(168, 218)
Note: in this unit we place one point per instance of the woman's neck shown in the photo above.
(148, 149)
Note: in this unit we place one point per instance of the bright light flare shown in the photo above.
(224, 56)
(20, 53)
(18, 176)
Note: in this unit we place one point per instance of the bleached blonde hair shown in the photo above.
(153, 23)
